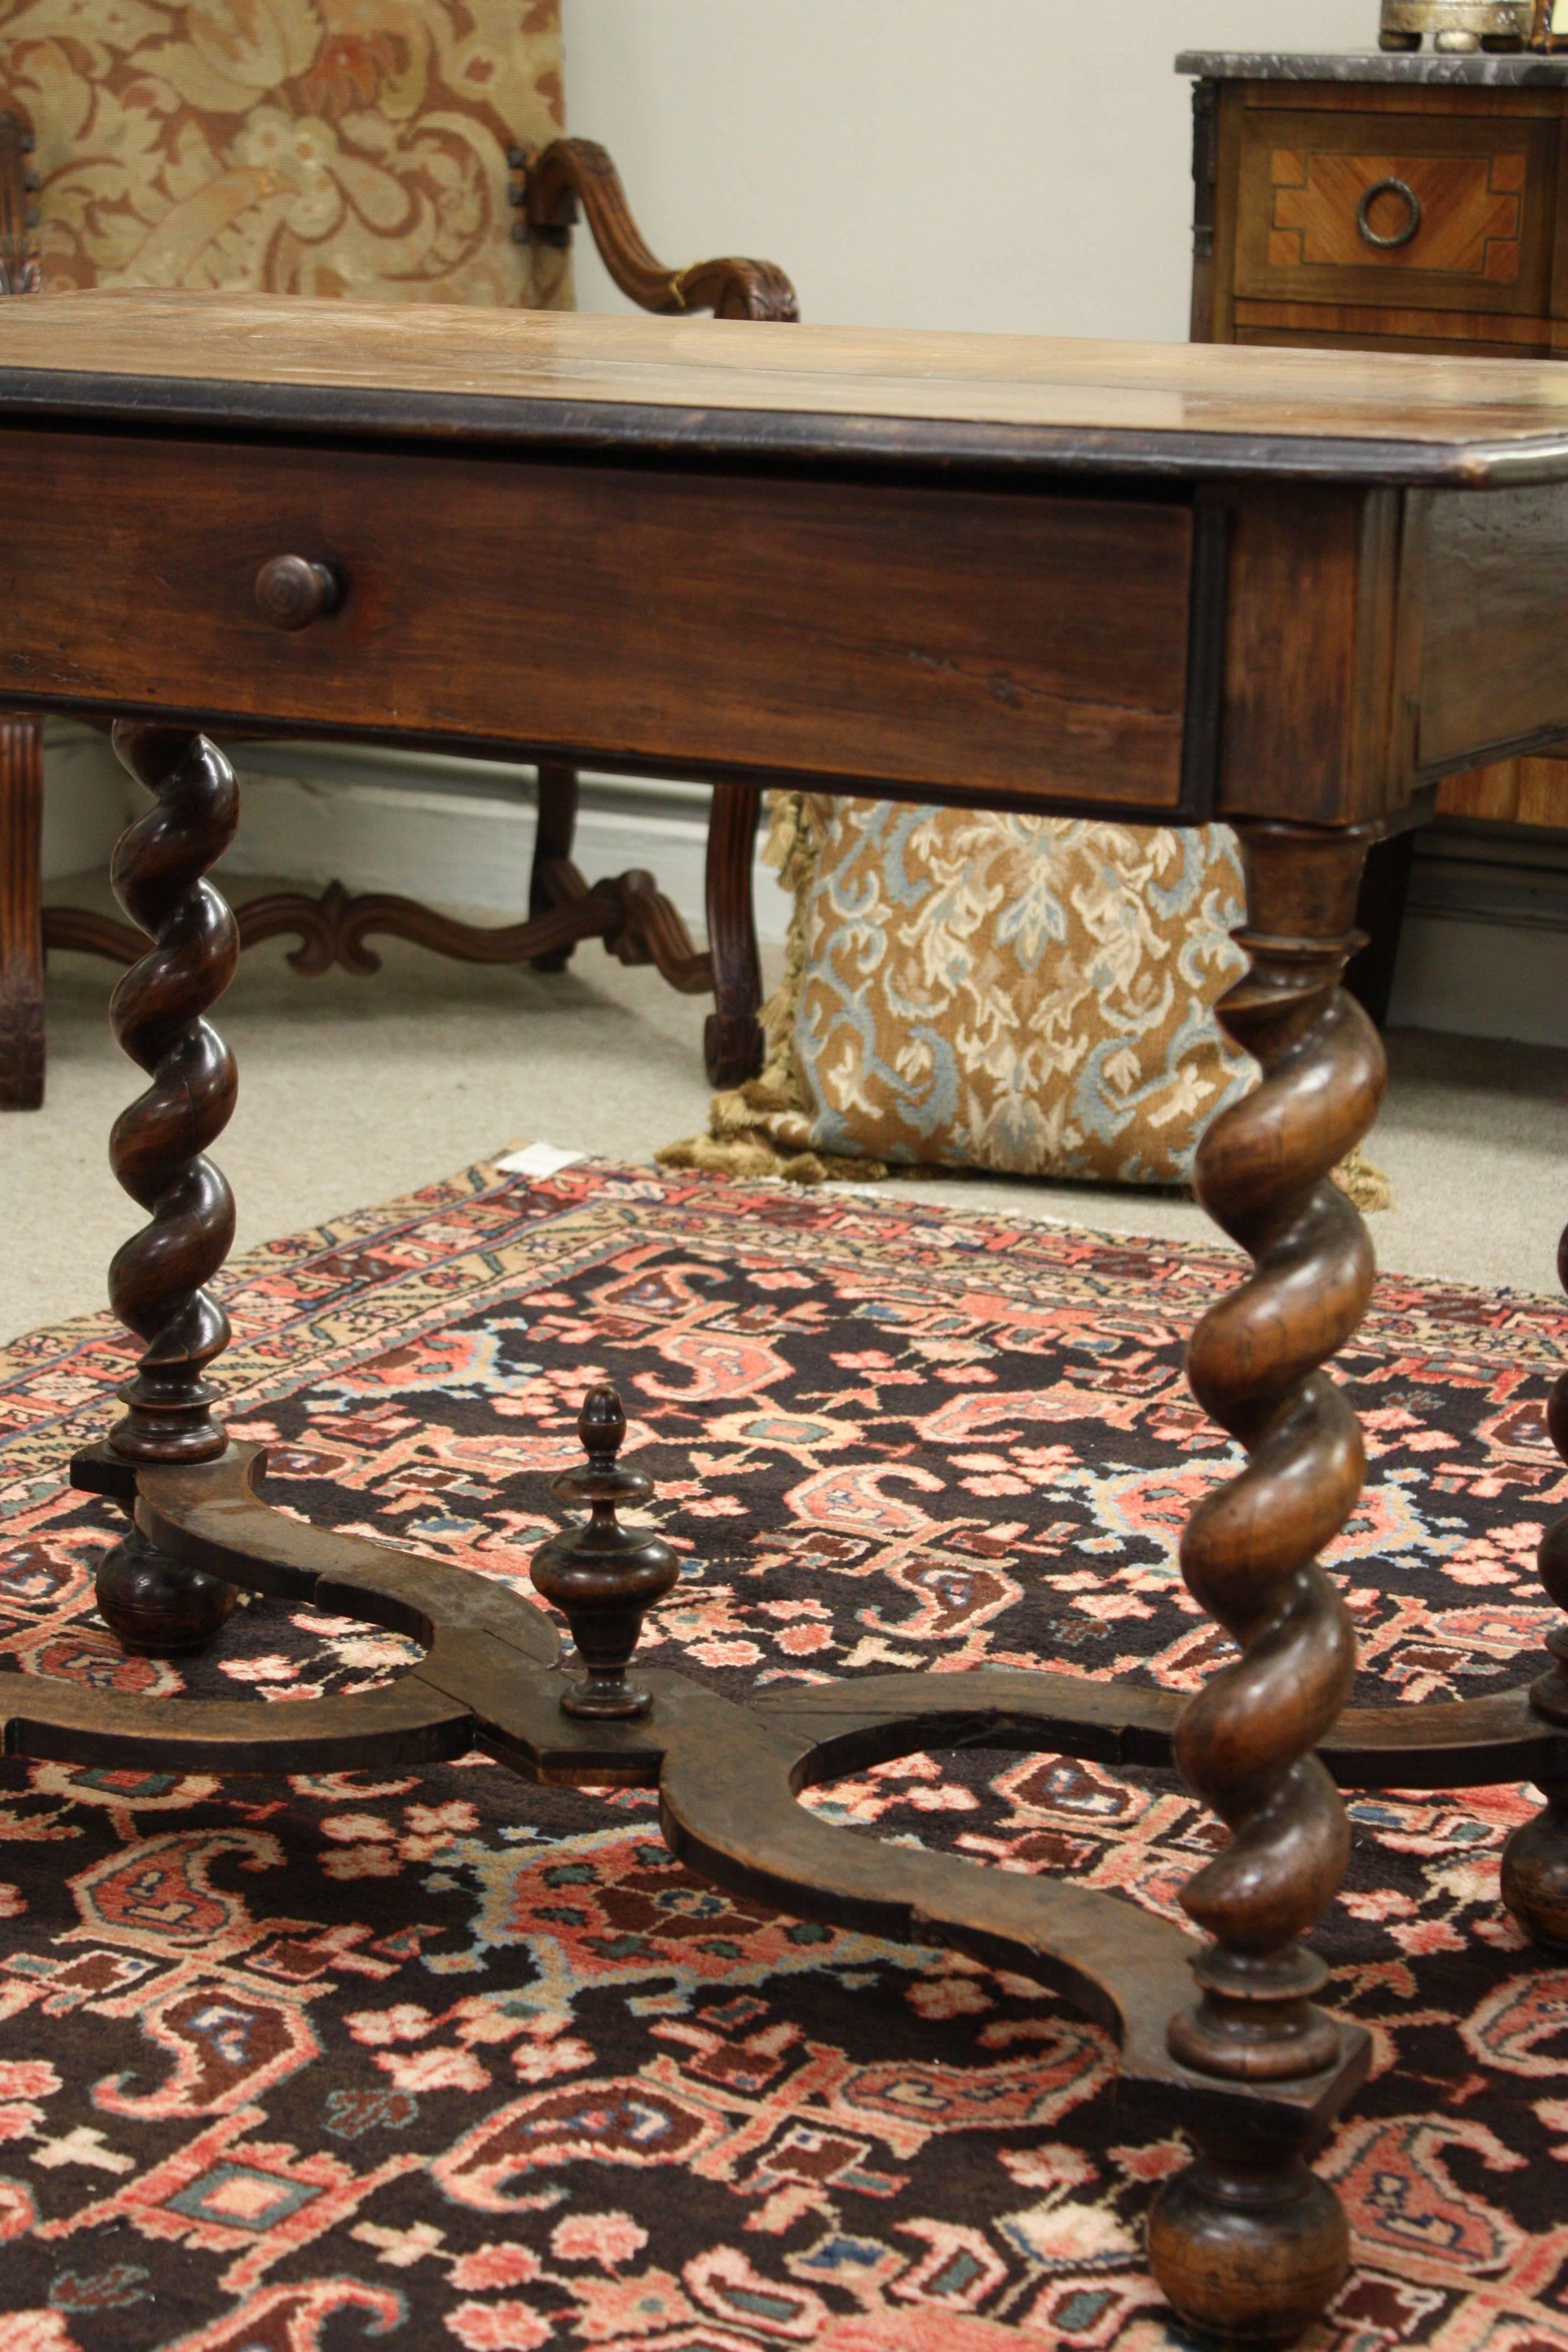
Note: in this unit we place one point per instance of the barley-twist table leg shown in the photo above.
(158, 1153)
(1248, 2242)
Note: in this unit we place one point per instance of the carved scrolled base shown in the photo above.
(650, 931)
(1248, 2254)
(1535, 1871)
(153, 1607)
(630, 914)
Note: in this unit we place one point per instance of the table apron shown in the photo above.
(1029, 647)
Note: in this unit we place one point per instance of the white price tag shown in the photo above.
(539, 1159)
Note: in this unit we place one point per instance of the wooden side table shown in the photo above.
(1168, 585)
(1388, 203)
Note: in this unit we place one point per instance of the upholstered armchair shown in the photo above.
(288, 150)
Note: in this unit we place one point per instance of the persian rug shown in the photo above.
(295, 2065)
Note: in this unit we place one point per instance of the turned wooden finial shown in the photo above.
(604, 1578)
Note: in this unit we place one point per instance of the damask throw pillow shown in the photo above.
(1026, 996)
(1029, 995)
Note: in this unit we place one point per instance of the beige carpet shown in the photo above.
(352, 1091)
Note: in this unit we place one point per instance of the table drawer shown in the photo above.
(845, 631)
(1406, 210)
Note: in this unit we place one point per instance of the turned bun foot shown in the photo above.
(1535, 1873)
(154, 1608)
(1247, 2256)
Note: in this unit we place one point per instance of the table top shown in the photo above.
(1521, 70)
(550, 379)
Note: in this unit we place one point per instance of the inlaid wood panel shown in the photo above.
(1419, 213)
(1516, 791)
(1461, 213)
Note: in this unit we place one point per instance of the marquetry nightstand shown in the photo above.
(1395, 203)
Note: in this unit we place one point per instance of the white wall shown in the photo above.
(1019, 166)
(85, 799)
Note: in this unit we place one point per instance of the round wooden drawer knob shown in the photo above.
(292, 591)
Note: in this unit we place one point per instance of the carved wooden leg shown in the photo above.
(732, 1039)
(1380, 913)
(157, 1152)
(21, 922)
(1248, 2244)
(1535, 1859)
(553, 842)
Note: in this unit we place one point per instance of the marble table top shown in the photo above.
(1520, 70)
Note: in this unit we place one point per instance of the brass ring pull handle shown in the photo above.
(1412, 202)
(292, 591)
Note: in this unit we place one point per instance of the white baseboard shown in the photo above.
(460, 835)
(1482, 980)
(86, 800)
(453, 833)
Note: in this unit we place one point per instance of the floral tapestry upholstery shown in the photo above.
(325, 147)
(1029, 995)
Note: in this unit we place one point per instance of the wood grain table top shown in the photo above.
(538, 379)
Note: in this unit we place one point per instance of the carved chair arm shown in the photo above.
(19, 272)
(553, 181)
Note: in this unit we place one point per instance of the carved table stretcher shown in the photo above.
(1285, 589)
